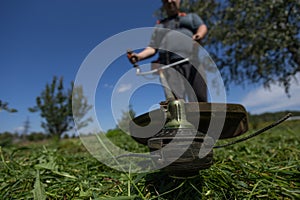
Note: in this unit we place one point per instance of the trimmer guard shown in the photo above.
(235, 124)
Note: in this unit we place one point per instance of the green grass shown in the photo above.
(265, 167)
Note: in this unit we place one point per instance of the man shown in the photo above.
(168, 41)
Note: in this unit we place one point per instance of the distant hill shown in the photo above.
(268, 116)
(259, 120)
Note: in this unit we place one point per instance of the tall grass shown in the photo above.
(265, 167)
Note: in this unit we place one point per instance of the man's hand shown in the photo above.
(197, 37)
(132, 57)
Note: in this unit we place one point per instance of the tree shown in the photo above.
(126, 118)
(4, 106)
(80, 107)
(254, 42)
(6, 139)
(55, 106)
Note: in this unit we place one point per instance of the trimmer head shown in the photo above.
(179, 146)
(190, 161)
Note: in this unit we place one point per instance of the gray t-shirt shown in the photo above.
(173, 34)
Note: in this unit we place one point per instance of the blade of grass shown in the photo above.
(172, 190)
(195, 188)
(3, 159)
(254, 188)
(39, 190)
(117, 198)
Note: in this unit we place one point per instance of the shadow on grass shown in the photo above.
(162, 186)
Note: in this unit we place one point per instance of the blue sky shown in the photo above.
(43, 38)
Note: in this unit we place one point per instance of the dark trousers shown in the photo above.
(187, 83)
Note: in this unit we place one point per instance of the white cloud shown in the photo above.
(106, 85)
(19, 129)
(124, 87)
(262, 100)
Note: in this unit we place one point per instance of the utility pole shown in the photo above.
(26, 128)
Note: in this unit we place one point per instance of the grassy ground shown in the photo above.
(265, 167)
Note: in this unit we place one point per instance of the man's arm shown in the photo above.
(146, 53)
